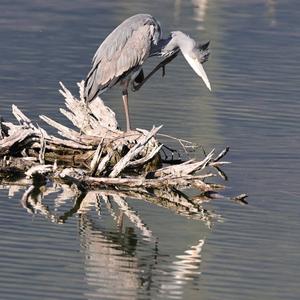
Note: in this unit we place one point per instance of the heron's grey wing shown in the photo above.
(124, 49)
(117, 39)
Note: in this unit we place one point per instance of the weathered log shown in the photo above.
(96, 153)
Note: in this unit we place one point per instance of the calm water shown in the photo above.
(149, 251)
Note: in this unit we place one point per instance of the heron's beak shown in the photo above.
(198, 68)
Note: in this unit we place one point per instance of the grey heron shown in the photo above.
(120, 57)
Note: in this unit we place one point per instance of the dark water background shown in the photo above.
(254, 108)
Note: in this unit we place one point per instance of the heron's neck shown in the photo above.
(166, 47)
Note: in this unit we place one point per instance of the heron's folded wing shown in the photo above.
(118, 55)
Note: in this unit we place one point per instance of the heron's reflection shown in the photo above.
(109, 261)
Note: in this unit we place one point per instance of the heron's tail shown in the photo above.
(90, 88)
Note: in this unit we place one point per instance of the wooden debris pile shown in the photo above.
(96, 154)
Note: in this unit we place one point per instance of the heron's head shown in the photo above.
(195, 54)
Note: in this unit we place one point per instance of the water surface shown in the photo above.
(135, 249)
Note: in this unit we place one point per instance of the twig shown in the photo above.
(183, 143)
(43, 148)
(222, 154)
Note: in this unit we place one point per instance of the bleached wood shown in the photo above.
(91, 120)
(23, 120)
(133, 152)
(62, 130)
(146, 158)
(96, 158)
(104, 162)
(97, 147)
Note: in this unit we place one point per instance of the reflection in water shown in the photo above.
(122, 255)
(185, 267)
(106, 200)
(177, 7)
(271, 12)
(200, 7)
(170, 198)
(110, 265)
(112, 257)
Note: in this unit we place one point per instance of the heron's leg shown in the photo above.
(125, 102)
(136, 87)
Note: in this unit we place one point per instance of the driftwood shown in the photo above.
(97, 154)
